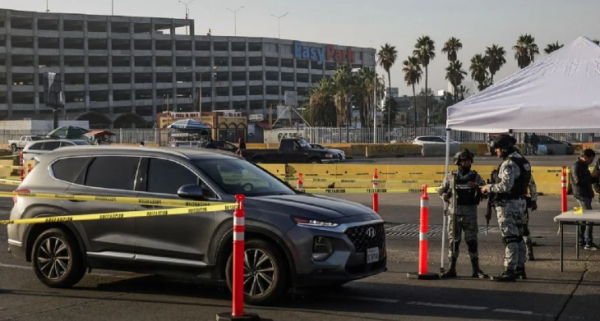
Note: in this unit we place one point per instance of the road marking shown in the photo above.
(513, 311)
(359, 298)
(451, 306)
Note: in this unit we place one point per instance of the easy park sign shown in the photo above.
(322, 54)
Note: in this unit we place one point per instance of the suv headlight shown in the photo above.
(322, 248)
(328, 155)
(313, 223)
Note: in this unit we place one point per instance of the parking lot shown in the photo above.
(547, 294)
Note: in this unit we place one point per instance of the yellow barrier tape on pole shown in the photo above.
(368, 190)
(112, 199)
(122, 215)
(361, 180)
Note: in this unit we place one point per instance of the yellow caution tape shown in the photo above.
(10, 182)
(368, 190)
(361, 180)
(123, 215)
(112, 199)
(12, 167)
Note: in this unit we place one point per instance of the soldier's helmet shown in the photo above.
(504, 142)
(462, 155)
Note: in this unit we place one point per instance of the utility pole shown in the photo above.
(235, 19)
(187, 12)
(278, 23)
(47, 9)
(375, 107)
(112, 7)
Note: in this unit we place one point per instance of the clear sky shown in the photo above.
(477, 23)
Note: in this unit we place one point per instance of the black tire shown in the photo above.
(65, 275)
(280, 277)
(314, 161)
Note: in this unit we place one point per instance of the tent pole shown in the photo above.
(445, 217)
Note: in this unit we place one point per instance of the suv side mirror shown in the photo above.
(191, 191)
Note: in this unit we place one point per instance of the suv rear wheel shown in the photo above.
(56, 259)
(265, 279)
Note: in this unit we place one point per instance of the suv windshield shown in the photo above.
(236, 176)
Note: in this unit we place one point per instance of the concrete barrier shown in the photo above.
(386, 150)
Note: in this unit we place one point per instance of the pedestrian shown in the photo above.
(241, 146)
(535, 142)
(508, 193)
(461, 191)
(582, 181)
(211, 144)
(142, 144)
(526, 142)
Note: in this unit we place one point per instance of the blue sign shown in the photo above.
(309, 53)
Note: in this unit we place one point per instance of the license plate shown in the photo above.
(372, 255)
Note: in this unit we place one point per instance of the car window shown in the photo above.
(70, 169)
(51, 145)
(166, 177)
(112, 172)
(36, 146)
(438, 140)
(64, 144)
(80, 142)
(236, 176)
(287, 145)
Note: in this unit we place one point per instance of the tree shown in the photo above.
(386, 58)
(364, 91)
(479, 71)
(525, 50)
(553, 47)
(344, 83)
(596, 41)
(412, 76)
(425, 52)
(494, 56)
(462, 93)
(321, 109)
(390, 113)
(425, 105)
(451, 48)
(455, 75)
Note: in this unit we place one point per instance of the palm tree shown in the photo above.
(525, 50)
(596, 41)
(364, 91)
(451, 48)
(462, 92)
(343, 81)
(386, 58)
(412, 76)
(494, 56)
(553, 47)
(479, 71)
(455, 75)
(321, 107)
(425, 52)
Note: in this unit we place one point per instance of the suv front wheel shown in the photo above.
(56, 259)
(265, 279)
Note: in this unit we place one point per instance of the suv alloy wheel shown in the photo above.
(56, 259)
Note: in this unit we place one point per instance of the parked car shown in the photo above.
(291, 150)
(293, 239)
(16, 145)
(422, 140)
(549, 141)
(331, 150)
(42, 147)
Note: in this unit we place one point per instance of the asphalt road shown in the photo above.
(546, 295)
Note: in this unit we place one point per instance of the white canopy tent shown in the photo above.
(559, 93)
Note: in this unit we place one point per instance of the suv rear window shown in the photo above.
(70, 169)
(36, 146)
(112, 172)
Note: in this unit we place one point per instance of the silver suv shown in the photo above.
(292, 239)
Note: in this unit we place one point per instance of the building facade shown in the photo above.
(121, 71)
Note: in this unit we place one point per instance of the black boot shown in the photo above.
(451, 273)
(529, 246)
(507, 276)
(477, 272)
(520, 273)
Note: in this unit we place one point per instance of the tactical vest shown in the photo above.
(464, 196)
(521, 183)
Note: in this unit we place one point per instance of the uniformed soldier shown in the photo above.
(531, 204)
(464, 183)
(509, 190)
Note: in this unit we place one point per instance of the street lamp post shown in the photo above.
(187, 11)
(375, 108)
(235, 19)
(278, 23)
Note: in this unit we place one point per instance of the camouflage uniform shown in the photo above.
(525, 220)
(466, 219)
(510, 211)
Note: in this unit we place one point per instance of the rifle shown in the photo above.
(454, 203)
(490, 204)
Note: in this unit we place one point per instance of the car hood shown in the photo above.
(307, 206)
